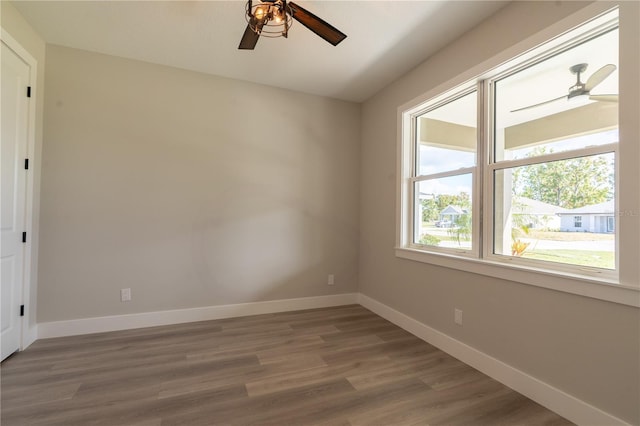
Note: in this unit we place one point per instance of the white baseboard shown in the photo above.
(29, 336)
(152, 319)
(544, 394)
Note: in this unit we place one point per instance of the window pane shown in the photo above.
(560, 211)
(443, 212)
(447, 136)
(581, 87)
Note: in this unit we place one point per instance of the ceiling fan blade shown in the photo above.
(599, 76)
(540, 104)
(604, 98)
(249, 39)
(317, 25)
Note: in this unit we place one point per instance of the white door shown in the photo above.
(15, 80)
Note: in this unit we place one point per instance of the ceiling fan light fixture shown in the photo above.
(269, 18)
(260, 12)
(273, 18)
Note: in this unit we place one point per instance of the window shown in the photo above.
(503, 170)
(577, 221)
(445, 141)
(554, 156)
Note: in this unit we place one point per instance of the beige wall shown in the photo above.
(23, 33)
(586, 347)
(192, 190)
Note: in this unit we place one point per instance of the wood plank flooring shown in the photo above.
(333, 366)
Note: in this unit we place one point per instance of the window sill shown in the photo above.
(602, 289)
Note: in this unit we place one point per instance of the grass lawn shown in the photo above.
(534, 234)
(597, 259)
(593, 258)
(568, 236)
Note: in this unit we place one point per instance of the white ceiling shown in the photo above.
(385, 39)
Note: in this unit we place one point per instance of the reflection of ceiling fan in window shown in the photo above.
(583, 89)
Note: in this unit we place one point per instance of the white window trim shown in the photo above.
(474, 171)
(610, 276)
(590, 282)
(596, 288)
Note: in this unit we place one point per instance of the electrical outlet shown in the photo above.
(125, 294)
(331, 280)
(457, 316)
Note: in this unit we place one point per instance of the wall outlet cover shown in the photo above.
(125, 294)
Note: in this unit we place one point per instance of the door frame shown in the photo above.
(28, 330)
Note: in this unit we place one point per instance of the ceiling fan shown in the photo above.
(273, 18)
(583, 89)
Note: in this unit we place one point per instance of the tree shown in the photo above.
(571, 183)
(430, 211)
(461, 200)
(461, 230)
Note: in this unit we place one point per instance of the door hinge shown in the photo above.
(24, 237)
(21, 310)
(28, 91)
(26, 164)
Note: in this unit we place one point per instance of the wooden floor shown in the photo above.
(334, 366)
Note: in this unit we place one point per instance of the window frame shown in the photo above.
(476, 183)
(611, 276)
(575, 279)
